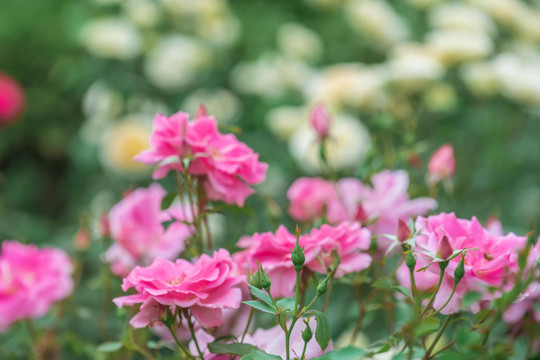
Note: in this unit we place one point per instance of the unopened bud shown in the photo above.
(322, 287)
(410, 261)
(403, 231)
(307, 334)
(320, 121)
(265, 282)
(444, 251)
(201, 112)
(361, 215)
(256, 280)
(297, 257)
(82, 239)
(459, 273)
(442, 164)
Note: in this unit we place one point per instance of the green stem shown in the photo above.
(33, 336)
(443, 348)
(441, 276)
(251, 313)
(297, 295)
(447, 301)
(437, 338)
(179, 344)
(192, 331)
(304, 351)
(328, 292)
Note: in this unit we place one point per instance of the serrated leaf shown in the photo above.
(261, 295)
(232, 348)
(261, 306)
(427, 325)
(348, 353)
(111, 346)
(168, 200)
(323, 334)
(260, 355)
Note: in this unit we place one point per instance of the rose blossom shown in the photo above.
(205, 287)
(273, 252)
(12, 99)
(308, 198)
(442, 164)
(489, 265)
(136, 227)
(321, 121)
(31, 281)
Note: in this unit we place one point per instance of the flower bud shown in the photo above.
(12, 100)
(297, 257)
(307, 334)
(201, 112)
(320, 121)
(322, 287)
(403, 231)
(265, 281)
(442, 164)
(410, 261)
(460, 270)
(256, 280)
(444, 251)
(361, 216)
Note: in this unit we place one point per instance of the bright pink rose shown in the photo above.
(442, 164)
(384, 203)
(205, 287)
(136, 226)
(308, 198)
(31, 281)
(12, 100)
(321, 121)
(490, 265)
(273, 252)
(227, 165)
(167, 147)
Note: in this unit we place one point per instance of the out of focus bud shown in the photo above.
(104, 226)
(403, 231)
(320, 121)
(442, 164)
(82, 239)
(444, 251)
(361, 216)
(265, 281)
(415, 160)
(201, 112)
(322, 287)
(410, 261)
(12, 100)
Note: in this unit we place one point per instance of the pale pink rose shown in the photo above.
(31, 281)
(321, 121)
(385, 203)
(136, 227)
(273, 252)
(205, 287)
(308, 198)
(524, 305)
(203, 339)
(494, 226)
(226, 165)
(167, 146)
(442, 164)
(12, 100)
(492, 264)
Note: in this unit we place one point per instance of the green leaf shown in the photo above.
(427, 325)
(348, 353)
(470, 298)
(111, 346)
(383, 284)
(168, 200)
(260, 355)
(261, 295)
(286, 304)
(261, 306)
(323, 333)
(233, 348)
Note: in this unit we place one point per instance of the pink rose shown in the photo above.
(136, 226)
(489, 265)
(205, 287)
(31, 281)
(321, 121)
(273, 252)
(308, 198)
(517, 312)
(442, 164)
(12, 100)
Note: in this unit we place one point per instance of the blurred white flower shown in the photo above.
(423, 4)
(452, 46)
(297, 41)
(481, 78)
(376, 20)
(111, 37)
(100, 99)
(346, 147)
(271, 76)
(354, 84)
(528, 24)
(194, 7)
(457, 16)
(176, 61)
(219, 29)
(285, 120)
(221, 103)
(440, 97)
(411, 66)
(519, 78)
(327, 4)
(122, 141)
(506, 12)
(145, 13)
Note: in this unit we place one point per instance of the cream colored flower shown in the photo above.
(506, 12)
(145, 13)
(461, 17)
(423, 4)
(221, 103)
(377, 21)
(440, 97)
(111, 37)
(481, 78)
(452, 46)
(519, 78)
(285, 120)
(219, 29)
(299, 42)
(346, 147)
(100, 99)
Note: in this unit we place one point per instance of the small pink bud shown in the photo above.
(442, 164)
(361, 216)
(320, 120)
(403, 231)
(82, 239)
(104, 227)
(12, 100)
(444, 251)
(201, 112)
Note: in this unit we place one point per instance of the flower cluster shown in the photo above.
(138, 231)
(349, 241)
(31, 281)
(489, 260)
(223, 164)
